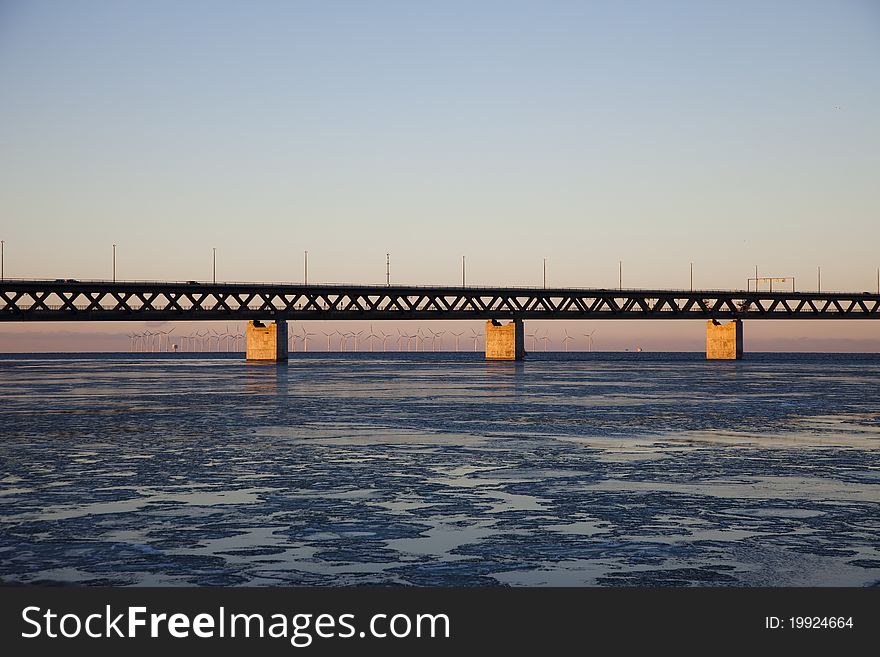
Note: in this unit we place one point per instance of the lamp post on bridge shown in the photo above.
(462, 272)
(215, 264)
(114, 263)
(2, 249)
(306, 267)
(692, 277)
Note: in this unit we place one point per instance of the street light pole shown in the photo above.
(462, 272)
(306, 267)
(215, 264)
(114, 263)
(620, 274)
(819, 274)
(545, 273)
(387, 270)
(692, 277)
(2, 249)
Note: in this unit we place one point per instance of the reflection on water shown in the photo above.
(441, 469)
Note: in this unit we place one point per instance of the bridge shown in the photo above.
(74, 300)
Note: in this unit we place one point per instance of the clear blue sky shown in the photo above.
(729, 134)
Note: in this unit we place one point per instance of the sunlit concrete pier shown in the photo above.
(505, 341)
(724, 341)
(73, 300)
(266, 342)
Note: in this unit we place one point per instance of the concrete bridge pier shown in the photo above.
(505, 341)
(266, 343)
(724, 341)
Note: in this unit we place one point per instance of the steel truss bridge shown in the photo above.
(71, 300)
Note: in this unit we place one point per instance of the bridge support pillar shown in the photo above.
(267, 343)
(724, 341)
(504, 341)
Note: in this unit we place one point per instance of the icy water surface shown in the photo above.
(441, 469)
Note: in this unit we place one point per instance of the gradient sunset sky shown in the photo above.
(658, 134)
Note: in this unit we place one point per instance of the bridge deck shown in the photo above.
(69, 300)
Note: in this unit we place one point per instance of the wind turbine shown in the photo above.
(357, 340)
(546, 338)
(328, 337)
(416, 339)
(457, 336)
(385, 337)
(476, 336)
(305, 337)
(148, 340)
(566, 339)
(590, 336)
(534, 337)
(371, 336)
(433, 339)
(400, 336)
(439, 336)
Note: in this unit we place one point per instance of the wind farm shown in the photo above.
(233, 341)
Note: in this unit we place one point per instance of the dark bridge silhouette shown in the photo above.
(70, 300)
